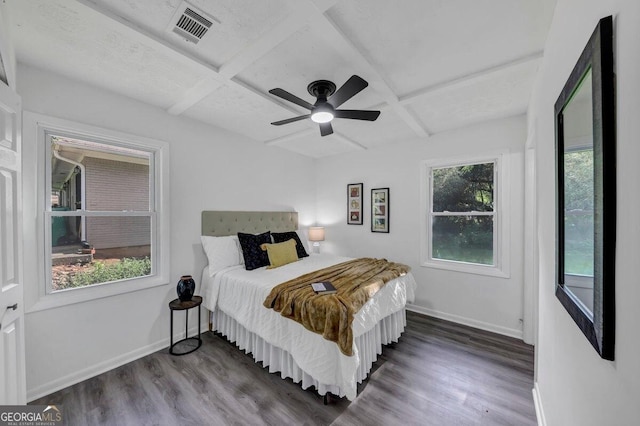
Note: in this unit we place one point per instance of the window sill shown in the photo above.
(89, 293)
(467, 268)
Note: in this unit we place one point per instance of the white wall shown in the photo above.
(211, 169)
(486, 302)
(574, 385)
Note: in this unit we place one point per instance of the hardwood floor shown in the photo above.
(439, 373)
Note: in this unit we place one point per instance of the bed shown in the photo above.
(234, 298)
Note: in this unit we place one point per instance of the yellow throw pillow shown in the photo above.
(281, 253)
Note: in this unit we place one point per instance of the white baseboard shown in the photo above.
(511, 332)
(537, 402)
(104, 366)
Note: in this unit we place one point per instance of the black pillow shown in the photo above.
(281, 237)
(254, 256)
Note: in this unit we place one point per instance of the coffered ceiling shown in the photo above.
(432, 65)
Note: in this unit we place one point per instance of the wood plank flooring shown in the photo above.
(439, 373)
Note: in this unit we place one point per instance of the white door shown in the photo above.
(12, 359)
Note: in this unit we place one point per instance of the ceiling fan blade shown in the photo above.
(356, 114)
(290, 120)
(325, 129)
(349, 89)
(281, 93)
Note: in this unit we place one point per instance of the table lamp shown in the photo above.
(316, 234)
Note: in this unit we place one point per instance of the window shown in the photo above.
(104, 210)
(100, 213)
(463, 225)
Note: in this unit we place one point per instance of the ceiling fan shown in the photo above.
(328, 99)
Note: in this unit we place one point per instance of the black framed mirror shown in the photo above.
(586, 191)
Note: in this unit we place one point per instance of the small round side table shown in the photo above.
(177, 305)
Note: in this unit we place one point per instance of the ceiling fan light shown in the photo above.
(322, 116)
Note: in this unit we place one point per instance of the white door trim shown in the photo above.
(12, 347)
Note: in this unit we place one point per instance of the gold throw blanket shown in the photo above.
(331, 315)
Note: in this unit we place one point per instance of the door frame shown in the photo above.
(12, 358)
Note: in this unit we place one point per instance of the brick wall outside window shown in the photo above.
(117, 186)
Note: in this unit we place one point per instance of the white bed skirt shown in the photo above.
(369, 346)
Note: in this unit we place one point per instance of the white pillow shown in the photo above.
(222, 252)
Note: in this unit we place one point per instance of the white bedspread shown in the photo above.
(240, 293)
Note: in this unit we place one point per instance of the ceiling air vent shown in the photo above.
(190, 23)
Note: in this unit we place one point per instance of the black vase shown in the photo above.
(186, 287)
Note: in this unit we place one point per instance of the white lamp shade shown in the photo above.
(316, 233)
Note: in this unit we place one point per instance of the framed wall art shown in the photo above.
(354, 204)
(380, 210)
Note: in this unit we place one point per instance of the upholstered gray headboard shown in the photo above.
(220, 223)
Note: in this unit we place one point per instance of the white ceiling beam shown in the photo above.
(334, 35)
(468, 78)
(266, 43)
(145, 36)
(256, 50)
(240, 61)
(194, 95)
(265, 95)
(309, 132)
(272, 38)
(215, 79)
(348, 141)
(290, 137)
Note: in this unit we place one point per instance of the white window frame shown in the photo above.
(37, 128)
(501, 257)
